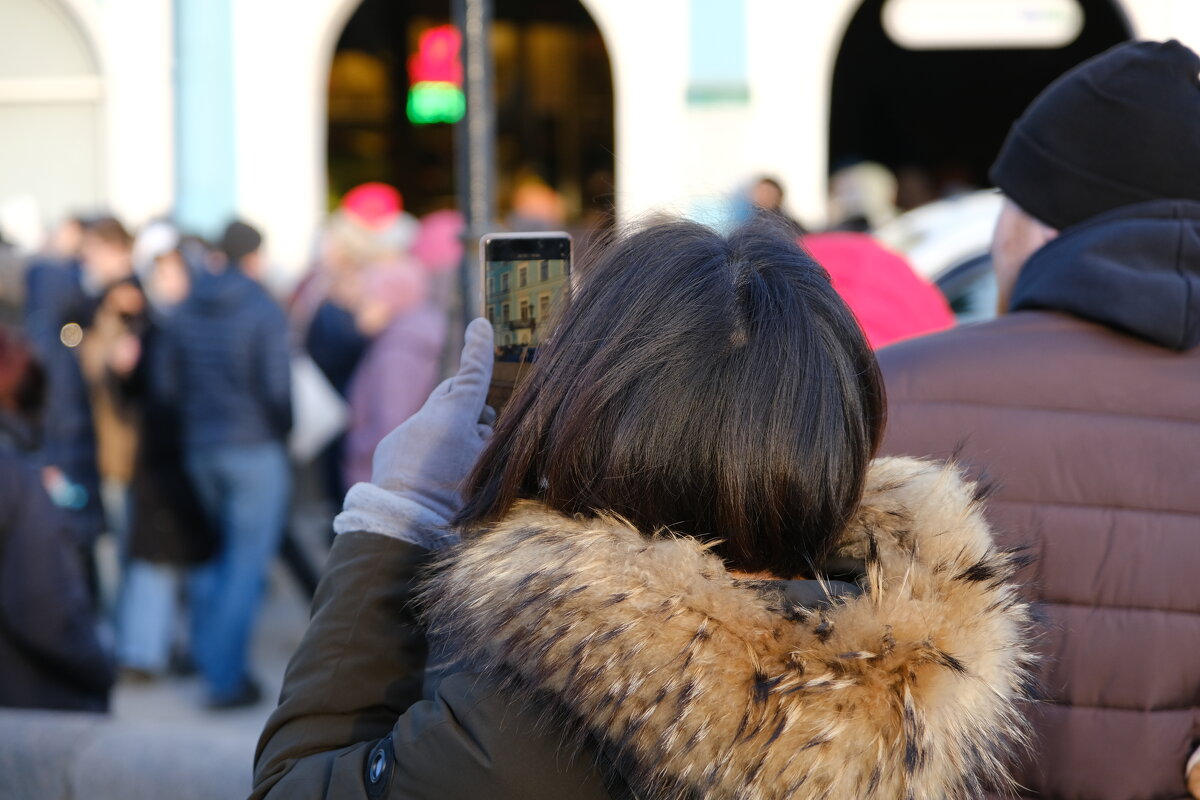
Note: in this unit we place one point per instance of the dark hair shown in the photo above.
(239, 240)
(717, 387)
(109, 230)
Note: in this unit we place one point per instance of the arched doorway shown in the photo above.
(50, 112)
(937, 112)
(554, 98)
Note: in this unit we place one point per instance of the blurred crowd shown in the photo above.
(152, 389)
(159, 393)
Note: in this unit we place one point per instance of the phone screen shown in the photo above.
(524, 276)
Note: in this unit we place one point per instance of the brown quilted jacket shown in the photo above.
(1091, 437)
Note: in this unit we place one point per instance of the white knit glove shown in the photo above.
(418, 468)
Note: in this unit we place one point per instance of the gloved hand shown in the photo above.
(418, 468)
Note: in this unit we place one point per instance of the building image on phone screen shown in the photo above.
(520, 296)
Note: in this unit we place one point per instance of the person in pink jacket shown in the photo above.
(890, 300)
(402, 364)
(402, 309)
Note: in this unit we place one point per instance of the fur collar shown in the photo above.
(704, 688)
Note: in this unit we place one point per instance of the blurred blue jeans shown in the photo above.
(245, 488)
(146, 615)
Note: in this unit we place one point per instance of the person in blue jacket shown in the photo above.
(224, 364)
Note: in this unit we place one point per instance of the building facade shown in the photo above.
(210, 108)
(519, 298)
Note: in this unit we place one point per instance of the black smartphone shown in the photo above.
(524, 277)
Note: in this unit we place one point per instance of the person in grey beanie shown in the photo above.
(1080, 403)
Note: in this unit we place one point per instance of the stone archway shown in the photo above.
(941, 111)
(555, 124)
(51, 112)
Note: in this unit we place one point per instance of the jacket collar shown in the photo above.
(706, 687)
(1136, 268)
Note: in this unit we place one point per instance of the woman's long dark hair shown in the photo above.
(714, 386)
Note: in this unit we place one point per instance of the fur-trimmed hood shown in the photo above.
(702, 686)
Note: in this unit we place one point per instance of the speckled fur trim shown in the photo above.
(702, 690)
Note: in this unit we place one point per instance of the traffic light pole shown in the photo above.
(475, 143)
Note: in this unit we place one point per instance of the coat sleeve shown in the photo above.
(349, 703)
(358, 668)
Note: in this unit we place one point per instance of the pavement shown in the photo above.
(179, 700)
(159, 741)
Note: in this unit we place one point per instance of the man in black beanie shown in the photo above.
(1081, 403)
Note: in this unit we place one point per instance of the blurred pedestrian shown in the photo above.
(400, 314)
(109, 353)
(1081, 403)
(369, 227)
(225, 367)
(767, 196)
(862, 197)
(12, 283)
(379, 208)
(681, 574)
(57, 310)
(535, 205)
(50, 654)
(168, 528)
(890, 301)
(324, 305)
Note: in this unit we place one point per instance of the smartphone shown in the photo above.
(525, 275)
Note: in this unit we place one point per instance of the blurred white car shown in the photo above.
(947, 242)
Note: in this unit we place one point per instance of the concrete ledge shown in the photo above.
(65, 756)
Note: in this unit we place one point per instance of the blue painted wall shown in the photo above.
(205, 159)
(717, 70)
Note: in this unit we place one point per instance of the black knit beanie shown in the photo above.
(239, 241)
(1120, 128)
